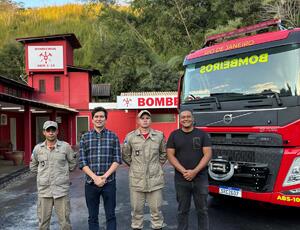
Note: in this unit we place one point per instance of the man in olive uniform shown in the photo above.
(52, 160)
(144, 152)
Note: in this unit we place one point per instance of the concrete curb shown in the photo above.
(6, 180)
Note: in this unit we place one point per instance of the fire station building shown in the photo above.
(60, 91)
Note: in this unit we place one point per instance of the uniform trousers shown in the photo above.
(138, 200)
(62, 209)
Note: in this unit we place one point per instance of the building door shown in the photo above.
(39, 129)
(13, 132)
(82, 126)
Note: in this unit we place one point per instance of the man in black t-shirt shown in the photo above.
(189, 151)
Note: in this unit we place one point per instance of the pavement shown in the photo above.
(18, 202)
(9, 171)
(18, 208)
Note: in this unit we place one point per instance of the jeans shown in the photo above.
(92, 196)
(185, 190)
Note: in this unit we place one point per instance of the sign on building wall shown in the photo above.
(45, 57)
(141, 102)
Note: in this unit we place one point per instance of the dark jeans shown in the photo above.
(92, 197)
(185, 190)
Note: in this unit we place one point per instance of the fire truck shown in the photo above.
(243, 87)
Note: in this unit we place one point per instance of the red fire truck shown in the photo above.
(245, 93)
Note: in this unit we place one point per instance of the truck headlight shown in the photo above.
(293, 176)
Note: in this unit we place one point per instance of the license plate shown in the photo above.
(229, 191)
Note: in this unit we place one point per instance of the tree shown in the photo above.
(287, 10)
(138, 47)
(12, 61)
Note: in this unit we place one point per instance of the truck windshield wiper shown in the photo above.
(265, 93)
(217, 102)
(215, 99)
(203, 99)
(268, 93)
(229, 94)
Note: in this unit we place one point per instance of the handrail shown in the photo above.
(211, 40)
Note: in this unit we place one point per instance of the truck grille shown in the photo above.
(255, 168)
(235, 155)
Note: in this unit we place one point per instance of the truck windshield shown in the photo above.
(274, 70)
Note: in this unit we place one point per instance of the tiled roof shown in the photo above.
(39, 104)
(70, 37)
(81, 69)
(15, 83)
(166, 93)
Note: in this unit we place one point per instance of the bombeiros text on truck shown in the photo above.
(245, 93)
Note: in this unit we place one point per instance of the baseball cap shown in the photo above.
(49, 124)
(141, 113)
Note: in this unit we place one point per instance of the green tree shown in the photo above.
(287, 10)
(136, 48)
(12, 61)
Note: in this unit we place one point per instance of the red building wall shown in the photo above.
(165, 127)
(50, 95)
(122, 122)
(69, 54)
(79, 90)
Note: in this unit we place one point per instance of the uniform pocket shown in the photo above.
(43, 180)
(155, 170)
(136, 178)
(60, 180)
(137, 149)
(43, 163)
(155, 147)
(136, 173)
(60, 159)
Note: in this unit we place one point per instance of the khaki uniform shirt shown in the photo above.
(145, 158)
(52, 168)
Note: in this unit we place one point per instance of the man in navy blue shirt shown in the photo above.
(99, 159)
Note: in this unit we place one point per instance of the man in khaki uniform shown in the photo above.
(144, 151)
(52, 160)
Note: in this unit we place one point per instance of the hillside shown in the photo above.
(138, 47)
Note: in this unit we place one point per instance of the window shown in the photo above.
(56, 83)
(42, 87)
(268, 70)
(13, 91)
(39, 121)
(82, 127)
(163, 117)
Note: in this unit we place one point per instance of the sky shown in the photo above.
(41, 3)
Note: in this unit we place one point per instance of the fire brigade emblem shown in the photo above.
(45, 57)
(227, 119)
(127, 101)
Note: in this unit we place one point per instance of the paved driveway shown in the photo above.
(18, 208)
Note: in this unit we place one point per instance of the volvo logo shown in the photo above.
(227, 119)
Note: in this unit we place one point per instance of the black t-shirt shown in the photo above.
(188, 149)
